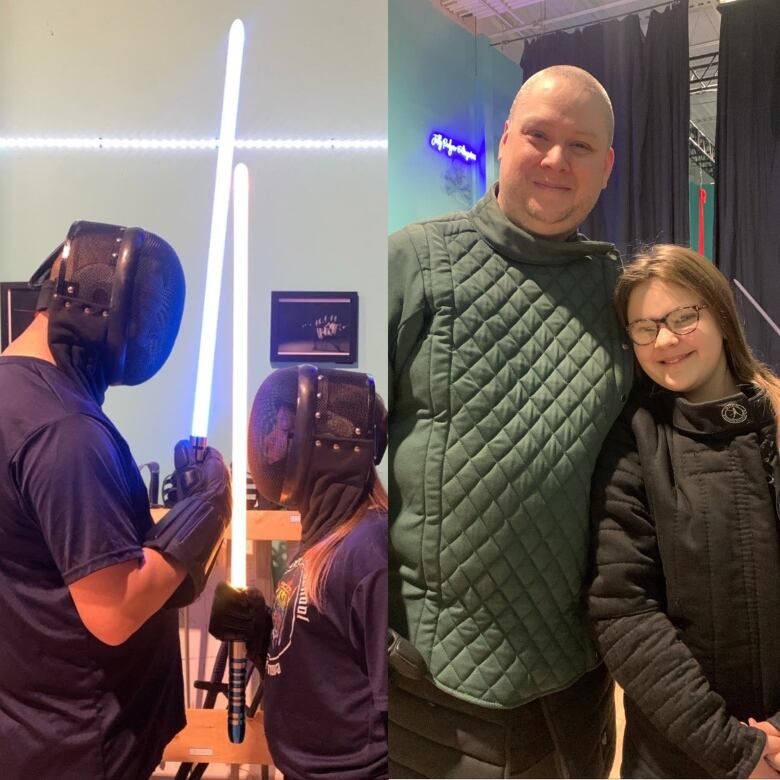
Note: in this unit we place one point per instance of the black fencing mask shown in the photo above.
(314, 438)
(115, 305)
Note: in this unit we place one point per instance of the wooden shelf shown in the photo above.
(262, 525)
(204, 740)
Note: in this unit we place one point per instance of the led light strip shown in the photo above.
(312, 143)
(190, 144)
(108, 143)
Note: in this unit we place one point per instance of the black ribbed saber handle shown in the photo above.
(199, 444)
(236, 690)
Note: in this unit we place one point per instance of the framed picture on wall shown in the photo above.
(17, 309)
(314, 327)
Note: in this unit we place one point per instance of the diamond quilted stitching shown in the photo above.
(501, 628)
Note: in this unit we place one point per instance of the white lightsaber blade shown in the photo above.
(240, 370)
(237, 674)
(219, 215)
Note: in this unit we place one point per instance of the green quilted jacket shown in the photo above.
(507, 370)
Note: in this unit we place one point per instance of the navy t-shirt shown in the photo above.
(325, 697)
(72, 502)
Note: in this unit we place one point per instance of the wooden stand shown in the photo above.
(204, 740)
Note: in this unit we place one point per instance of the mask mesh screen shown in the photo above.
(157, 307)
(271, 426)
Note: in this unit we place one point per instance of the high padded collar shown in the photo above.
(744, 411)
(517, 245)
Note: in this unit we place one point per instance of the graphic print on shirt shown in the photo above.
(291, 604)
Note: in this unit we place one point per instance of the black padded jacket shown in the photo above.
(685, 598)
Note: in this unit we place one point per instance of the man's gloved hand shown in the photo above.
(242, 616)
(208, 478)
(191, 533)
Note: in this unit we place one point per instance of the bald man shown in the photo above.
(507, 372)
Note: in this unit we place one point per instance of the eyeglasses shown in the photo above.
(680, 321)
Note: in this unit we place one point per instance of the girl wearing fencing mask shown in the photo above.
(315, 437)
(686, 597)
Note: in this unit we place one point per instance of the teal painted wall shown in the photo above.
(709, 217)
(440, 78)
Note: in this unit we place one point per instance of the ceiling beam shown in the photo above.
(471, 7)
(533, 27)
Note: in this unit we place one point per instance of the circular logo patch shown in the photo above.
(733, 413)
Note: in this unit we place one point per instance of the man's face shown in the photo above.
(554, 159)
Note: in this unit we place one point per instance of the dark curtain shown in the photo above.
(646, 76)
(747, 164)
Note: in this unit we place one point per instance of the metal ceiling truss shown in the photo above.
(701, 151)
(703, 73)
(522, 29)
(481, 9)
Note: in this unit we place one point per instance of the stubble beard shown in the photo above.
(539, 213)
(530, 215)
(542, 215)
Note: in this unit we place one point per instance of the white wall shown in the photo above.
(155, 69)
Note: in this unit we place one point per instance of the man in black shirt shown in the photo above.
(90, 671)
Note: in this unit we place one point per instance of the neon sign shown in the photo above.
(441, 143)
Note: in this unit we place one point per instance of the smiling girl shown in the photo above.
(686, 595)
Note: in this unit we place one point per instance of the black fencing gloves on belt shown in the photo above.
(242, 616)
(404, 657)
(191, 533)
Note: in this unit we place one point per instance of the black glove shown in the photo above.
(191, 533)
(404, 657)
(208, 478)
(242, 616)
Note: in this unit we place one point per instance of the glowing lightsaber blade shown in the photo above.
(216, 255)
(240, 369)
(237, 675)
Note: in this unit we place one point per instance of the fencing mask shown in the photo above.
(115, 304)
(314, 438)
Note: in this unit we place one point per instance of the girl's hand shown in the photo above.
(769, 763)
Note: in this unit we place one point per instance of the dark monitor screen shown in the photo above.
(17, 309)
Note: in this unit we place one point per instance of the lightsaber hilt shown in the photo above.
(236, 691)
(199, 444)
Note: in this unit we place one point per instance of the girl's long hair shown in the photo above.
(318, 559)
(684, 267)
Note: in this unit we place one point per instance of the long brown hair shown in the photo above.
(318, 559)
(684, 267)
